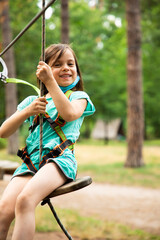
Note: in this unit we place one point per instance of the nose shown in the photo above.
(65, 67)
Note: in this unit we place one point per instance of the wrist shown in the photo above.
(26, 113)
(50, 83)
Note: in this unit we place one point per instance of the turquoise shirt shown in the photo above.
(50, 138)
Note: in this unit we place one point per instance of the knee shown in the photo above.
(23, 203)
(6, 211)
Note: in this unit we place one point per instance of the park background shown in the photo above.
(99, 32)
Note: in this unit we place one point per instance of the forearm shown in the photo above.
(13, 123)
(69, 111)
(64, 107)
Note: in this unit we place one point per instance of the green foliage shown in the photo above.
(151, 71)
(28, 48)
(3, 143)
(101, 48)
(101, 54)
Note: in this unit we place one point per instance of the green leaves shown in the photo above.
(101, 49)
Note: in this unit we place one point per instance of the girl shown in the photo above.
(35, 178)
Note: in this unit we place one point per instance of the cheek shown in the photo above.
(55, 73)
(75, 71)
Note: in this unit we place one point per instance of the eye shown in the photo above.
(70, 64)
(57, 65)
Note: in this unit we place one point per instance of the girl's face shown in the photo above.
(64, 69)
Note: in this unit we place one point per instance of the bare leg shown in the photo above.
(43, 183)
(8, 201)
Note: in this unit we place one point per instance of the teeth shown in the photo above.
(66, 76)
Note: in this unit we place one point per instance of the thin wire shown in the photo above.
(27, 27)
(41, 84)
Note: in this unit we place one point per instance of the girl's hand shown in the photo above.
(15, 121)
(37, 106)
(44, 72)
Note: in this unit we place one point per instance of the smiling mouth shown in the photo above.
(65, 76)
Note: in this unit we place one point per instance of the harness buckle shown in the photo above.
(58, 150)
(2, 77)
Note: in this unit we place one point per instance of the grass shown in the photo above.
(5, 156)
(86, 227)
(105, 164)
(115, 173)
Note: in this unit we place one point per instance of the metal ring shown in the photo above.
(4, 73)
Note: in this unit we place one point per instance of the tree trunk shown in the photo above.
(135, 100)
(10, 89)
(101, 4)
(64, 21)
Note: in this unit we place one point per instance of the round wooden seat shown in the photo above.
(72, 186)
(66, 188)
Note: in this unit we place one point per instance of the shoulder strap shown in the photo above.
(68, 93)
(59, 120)
(55, 125)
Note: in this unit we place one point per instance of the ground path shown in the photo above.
(137, 207)
(134, 206)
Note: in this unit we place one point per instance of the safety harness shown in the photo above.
(57, 150)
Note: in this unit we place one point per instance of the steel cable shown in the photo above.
(27, 27)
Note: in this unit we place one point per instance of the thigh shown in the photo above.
(47, 179)
(13, 189)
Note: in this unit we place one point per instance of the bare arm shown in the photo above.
(16, 120)
(69, 111)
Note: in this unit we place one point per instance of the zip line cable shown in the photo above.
(27, 27)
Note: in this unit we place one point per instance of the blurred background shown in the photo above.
(117, 44)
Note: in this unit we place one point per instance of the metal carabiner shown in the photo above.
(4, 73)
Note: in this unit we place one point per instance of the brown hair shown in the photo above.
(53, 53)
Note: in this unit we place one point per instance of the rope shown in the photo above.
(56, 217)
(27, 27)
(41, 84)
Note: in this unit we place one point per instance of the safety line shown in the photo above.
(41, 84)
(27, 27)
(56, 217)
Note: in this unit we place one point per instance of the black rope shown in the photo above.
(56, 217)
(27, 27)
(43, 32)
(41, 84)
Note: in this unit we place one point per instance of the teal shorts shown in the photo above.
(66, 162)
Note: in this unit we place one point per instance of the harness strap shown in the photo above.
(57, 151)
(26, 159)
(59, 120)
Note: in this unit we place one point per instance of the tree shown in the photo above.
(64, 21)
(134, 71)
(10, 89)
